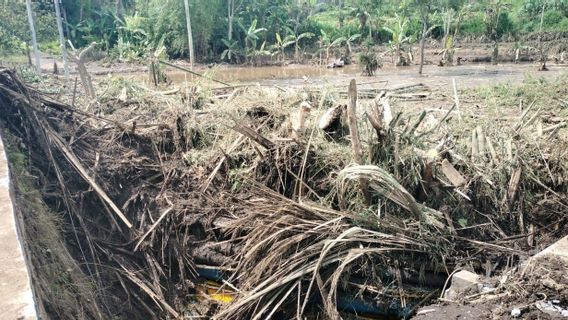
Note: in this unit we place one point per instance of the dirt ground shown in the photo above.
(535, 284)
(470, 74)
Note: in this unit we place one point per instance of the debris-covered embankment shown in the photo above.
(290, 202)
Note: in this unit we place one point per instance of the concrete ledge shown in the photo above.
(559, 249)
(16, 296)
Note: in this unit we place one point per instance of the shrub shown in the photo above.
(475, 25)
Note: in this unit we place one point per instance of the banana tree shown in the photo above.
(232, 52)
(452, 18)
(295, 38)
(280, 45)
(398, 29)
(258, 54)
(346, 41)
(251, 35)
(325, 45)
(493, 11)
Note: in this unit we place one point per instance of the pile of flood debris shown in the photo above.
(255, 202)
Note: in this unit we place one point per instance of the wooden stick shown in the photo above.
(474, 145)
(192, 72)
(355, 141)
(494, 157)
(162, 216)
(481, 141)
(74, 93)
(83, 172)
(509, 149)
(456, 99)
(79, 59)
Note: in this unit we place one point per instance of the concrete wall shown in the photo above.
(16, 297)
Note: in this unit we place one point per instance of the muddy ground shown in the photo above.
(311, 72)
(535, 285)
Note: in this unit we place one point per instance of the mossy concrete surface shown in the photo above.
(16, 297)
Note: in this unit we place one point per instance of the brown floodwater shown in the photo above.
(251, 74)
(467, 76)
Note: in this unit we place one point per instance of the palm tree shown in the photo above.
(231, 10)
(363, 16)
(61, 39)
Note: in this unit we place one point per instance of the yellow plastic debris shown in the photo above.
(212, 290)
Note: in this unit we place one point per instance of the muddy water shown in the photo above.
(467, 76)
(252, 74)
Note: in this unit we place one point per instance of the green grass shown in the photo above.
(13, 59)
(543, 91)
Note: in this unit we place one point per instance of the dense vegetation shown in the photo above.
(253, 30)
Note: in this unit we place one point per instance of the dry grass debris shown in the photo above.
(164, 186)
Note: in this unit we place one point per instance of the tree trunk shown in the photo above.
(230, 14)
(355, 141)
(118, 7)
(541, 45)
(422, 43)
(66, 22)
(28, 54)
(34, 40)
(447, 24)
(397, 55)
(189, 34)
(61, 39)
(79, 59)
(495, 54)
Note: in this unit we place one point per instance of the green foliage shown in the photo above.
(50, 47)
(474, 25)
(15, 30)
(232, 53)
(553, 20)
(534, 7)
(125, 28)
(370, 62)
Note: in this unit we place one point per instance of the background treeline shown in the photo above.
(242, 30)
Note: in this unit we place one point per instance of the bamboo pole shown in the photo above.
(355, 141)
